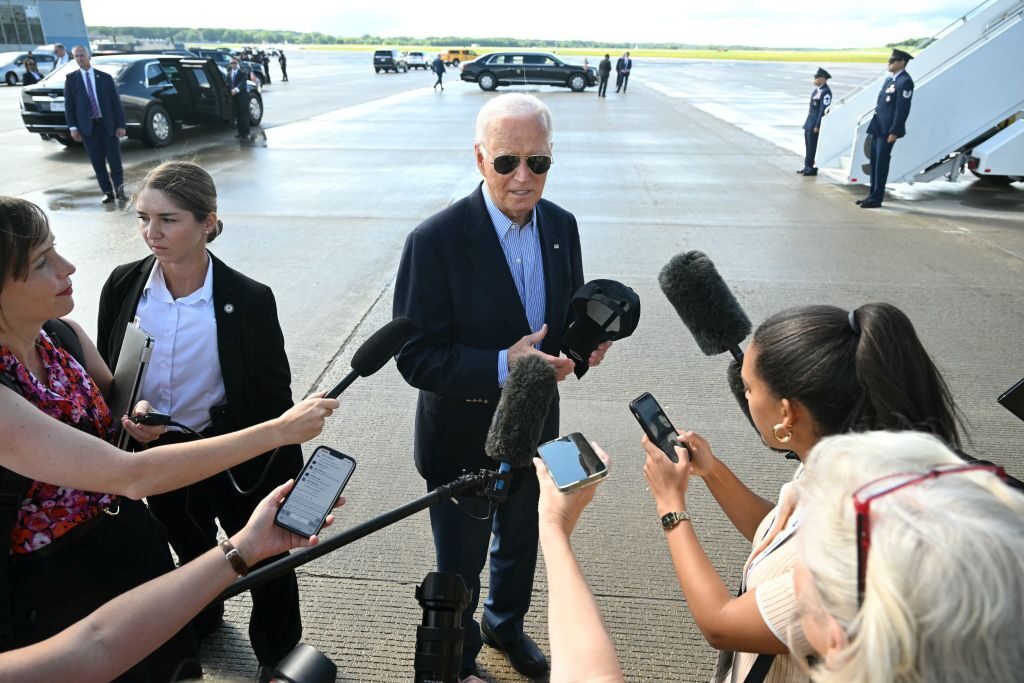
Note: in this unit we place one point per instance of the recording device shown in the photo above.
(572, 462)
(1013, 399)
(443, 596)
(704, 303)
(152, 418)
(523, 409)
(306, 664)
(657, 426)
(316, 490)
(376, 351)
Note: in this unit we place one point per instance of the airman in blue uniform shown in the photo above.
(888, 124)
(821, 98)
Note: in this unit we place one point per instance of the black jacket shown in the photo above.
(893, 107)
(250, 344)
(454, 281)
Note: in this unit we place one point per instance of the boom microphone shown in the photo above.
(376, 351)
(703, 301)
(519, 419)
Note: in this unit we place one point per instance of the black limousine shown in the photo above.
(527, 68)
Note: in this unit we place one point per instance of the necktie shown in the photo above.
(92, 97)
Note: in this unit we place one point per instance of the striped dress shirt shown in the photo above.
(521, 246)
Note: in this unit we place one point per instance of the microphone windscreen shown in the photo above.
(382, 346)
(704, 303)
(522, 410)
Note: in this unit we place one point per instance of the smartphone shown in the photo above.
(315, 491)
(1013, 399)
(657, 425)
(572, 462)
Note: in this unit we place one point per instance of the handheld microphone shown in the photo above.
(705, 304)
(522, 410)
(376, 351)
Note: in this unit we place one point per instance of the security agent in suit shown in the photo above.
(238, 80)
(489, 280)
(95, 117)
(888, 124)
(604, 69)
(238, 325)
(622, 68)
(821, 98)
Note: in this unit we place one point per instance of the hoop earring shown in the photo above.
(775, 433)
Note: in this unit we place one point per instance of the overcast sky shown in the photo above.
(772, 23)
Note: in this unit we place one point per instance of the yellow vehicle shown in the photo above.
(457, 56)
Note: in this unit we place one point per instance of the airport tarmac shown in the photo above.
(694, 156)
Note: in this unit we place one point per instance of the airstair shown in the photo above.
(968, 84)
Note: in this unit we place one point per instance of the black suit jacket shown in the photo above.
(250, 345)
(454, 282)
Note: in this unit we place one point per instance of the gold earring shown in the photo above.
(775, 433)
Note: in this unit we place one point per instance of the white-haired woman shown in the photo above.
(912, 563)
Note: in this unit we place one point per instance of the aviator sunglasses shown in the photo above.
(506, 163)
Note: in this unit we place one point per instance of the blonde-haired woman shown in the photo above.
(934, 589)
(218, 366)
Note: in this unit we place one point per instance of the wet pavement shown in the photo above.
(696, 155)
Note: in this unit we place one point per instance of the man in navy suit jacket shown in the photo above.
(489, 280)
(888, 124)
(92, 107)
(237, 79)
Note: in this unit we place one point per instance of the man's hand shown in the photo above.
(120, 132)
(598, 354)
(815, 131)
(234, 91)
(892, 138)
(525, 347)
(76, 136)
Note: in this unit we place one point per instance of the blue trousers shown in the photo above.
(811, 147)
(461, 546)
(881, 153)
(103, 149)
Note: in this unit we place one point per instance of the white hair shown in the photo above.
(511, 105)
(944, 590)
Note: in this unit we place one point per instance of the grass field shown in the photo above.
(878, 54)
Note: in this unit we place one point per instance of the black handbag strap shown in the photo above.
(759, 671)
(14, 486)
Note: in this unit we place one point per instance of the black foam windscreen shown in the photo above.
(519, 418)
(382, 345)
(703, 301)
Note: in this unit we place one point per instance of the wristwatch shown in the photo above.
(672, 519)
(234, 557)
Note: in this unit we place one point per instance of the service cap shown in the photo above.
(821, 73)
(900, 56)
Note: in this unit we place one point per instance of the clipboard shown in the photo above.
(132, 362)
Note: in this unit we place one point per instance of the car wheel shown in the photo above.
(376, 70)
(455, 63)
(255, 109)
(11, 78)
(487, 81)
(157, 127)
(577, 82)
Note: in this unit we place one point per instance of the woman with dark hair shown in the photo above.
(77, 535)
(218, 365)
(809, 373)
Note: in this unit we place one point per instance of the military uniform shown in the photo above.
(821, 98)
(890, 119)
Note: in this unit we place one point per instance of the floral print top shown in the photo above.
(69, 395)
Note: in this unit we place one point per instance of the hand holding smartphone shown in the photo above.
(657, 426)
(316, 490)
(572, 462)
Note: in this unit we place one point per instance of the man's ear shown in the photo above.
(479, 157)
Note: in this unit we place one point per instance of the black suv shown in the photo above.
(158, 93)
(389, 60)
(527, 68)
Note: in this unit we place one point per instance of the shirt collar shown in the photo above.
(893, 76)
(156, 286)
(502, 223)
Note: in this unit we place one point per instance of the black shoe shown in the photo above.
(108, 198)
(860, 201)
(870, 205)
(802, 170)
(811, 171)
(524, 656)
(122, 197)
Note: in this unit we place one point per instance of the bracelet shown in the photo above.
(234, 557)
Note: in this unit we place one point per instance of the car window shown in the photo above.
(155, 75)
(534, 59)
(201, 78)
(513, 59)
(549, 61)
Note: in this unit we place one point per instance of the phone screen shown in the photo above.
(571, 461)
(317, 488)
(659, 430)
